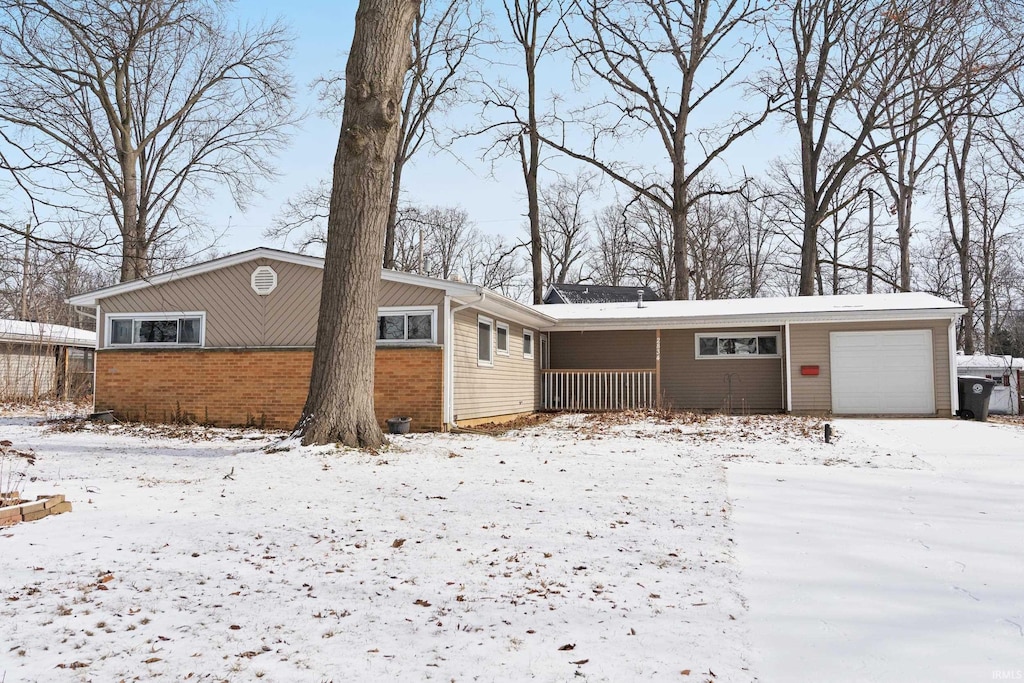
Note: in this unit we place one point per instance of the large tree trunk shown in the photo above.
(340, 403)
(531, 163)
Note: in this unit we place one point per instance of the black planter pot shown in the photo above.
(399, 425)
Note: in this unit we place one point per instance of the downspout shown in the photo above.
(95, 355)
(954, 390)
(789, 374)
(449, 353)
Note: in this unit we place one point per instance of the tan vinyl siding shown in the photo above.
(511, 386)
(688, 383)
(809, 345)
(603, 350)
(236, 316)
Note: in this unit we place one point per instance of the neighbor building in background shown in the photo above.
(39, 360)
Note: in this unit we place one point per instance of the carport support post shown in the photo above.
(657, 368)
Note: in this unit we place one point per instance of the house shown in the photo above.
(596, 294)
(1005, 370)
(230, 341)
(40, 360)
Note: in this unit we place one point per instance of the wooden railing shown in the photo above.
(597, 390)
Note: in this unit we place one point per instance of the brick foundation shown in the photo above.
(261, 387)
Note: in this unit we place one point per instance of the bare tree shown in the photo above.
(564, 229)
(652, 240)
(533, 25)
(839, 62)
(613, 255)
(340, 403)
(758, 240)
(142, 106)
(664, 63)
(431, 240)
(444, 36)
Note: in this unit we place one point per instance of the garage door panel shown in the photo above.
(882, 372)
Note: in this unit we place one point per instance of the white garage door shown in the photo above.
(882, 373)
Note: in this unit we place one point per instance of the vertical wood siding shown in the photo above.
(236, 316)
(809, 345)
(703, 385)
(602, 350)
(512, 386)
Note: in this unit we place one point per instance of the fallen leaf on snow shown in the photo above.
(580, 662)
(151, 660)
(398, 543)
(567, 646)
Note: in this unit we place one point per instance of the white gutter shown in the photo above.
(954, 388)
(789, 374)
(448, 410)
(749, 320)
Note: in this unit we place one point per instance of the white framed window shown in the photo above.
(156, 329)
(527, 344)
(403, 325)
(501, 338)
(484, 341)
(737, 345)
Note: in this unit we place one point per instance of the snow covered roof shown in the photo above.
(779, 310)
(22, 331)
(595, 294)
(980, 360)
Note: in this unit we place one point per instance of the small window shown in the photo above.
(396, 326)
(155, 330)
(757, 344)
(527, 344)
(484, 327)
(502, 339)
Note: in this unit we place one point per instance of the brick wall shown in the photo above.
(265, 387)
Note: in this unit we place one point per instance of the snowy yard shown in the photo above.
(731, 549)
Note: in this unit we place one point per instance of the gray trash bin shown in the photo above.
(974, 393)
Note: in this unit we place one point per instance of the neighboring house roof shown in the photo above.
(595, 294)
(460, 291)
(764, 311)
(982, 361)
(24, 332)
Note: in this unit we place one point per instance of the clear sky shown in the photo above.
(492, 193)
(323, 32)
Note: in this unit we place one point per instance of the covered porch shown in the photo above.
(728, 370)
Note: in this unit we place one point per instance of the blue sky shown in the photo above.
(491, 193)
(323, 31)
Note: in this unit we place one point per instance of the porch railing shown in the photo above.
(598, 390)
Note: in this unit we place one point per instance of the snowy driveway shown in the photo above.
(887, 574)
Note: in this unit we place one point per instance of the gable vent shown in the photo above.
(264, 280)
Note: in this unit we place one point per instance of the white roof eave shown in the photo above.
(751, 320)
(93, 298)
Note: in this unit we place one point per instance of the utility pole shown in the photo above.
(871, 241)
(24, 272)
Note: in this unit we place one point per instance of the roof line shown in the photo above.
(90, 298)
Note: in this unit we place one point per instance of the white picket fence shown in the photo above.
(597, 390)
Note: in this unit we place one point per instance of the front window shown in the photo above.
(502, 339)
(484, 343)
(758, 344)
(405, 326)
(155, 330)
(527, 344)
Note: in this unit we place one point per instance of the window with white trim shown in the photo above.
(527, 344)
(501, 338)
(733, 345)
(484, 343)
(405, 326)
(155, 329)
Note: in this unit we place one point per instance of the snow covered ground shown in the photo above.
(603, 550)
(891, 574)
